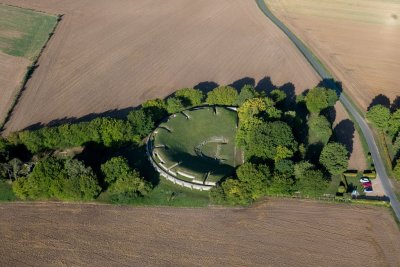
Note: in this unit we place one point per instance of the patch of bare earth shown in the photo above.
(358, 41)
(12, 71)
(275, 233)
(108, 55)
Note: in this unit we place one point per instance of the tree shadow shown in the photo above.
(344, 133)
(330, 114)
(332, 84)
(380, 100)
(239, 84)
(396, 104)
(313, 152)
(206, 87)
(265, 85)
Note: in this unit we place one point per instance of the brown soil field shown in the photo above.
(358, 41)
(108, 55)
(274, 233)
(12, 71)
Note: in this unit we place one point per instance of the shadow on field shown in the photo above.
(344, 133)
(263, 86)
(380, 100)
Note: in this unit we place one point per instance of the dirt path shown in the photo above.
(276, 233)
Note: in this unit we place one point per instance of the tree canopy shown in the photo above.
(379, 115)
(190, 97)
(223, 95)
(335, 158)
(320, 98)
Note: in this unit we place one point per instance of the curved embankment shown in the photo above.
(357, 117)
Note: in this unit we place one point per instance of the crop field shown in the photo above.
(108, 56)
(204, 143)
(357, 40)
(22, 35)
(273, 233)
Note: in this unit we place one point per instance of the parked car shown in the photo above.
(364, 180)
(368, 190)
(368, 184)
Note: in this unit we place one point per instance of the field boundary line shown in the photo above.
(30, 69)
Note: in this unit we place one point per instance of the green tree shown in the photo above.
(114, 168)
(278, 95)
(190, 97)
(265, 139)
(174, 105)
(311, 183)
(379, 115)
(156, 108)
(247, 92)
(142, 123)
(56, 178)
(320, 98)
(394, 124)
(129, 186)
(223, 95)
(396, 170)
(251, 184)
(319, 129)
(335, 158)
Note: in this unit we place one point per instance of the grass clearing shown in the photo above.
(23, 32)
(204, 143)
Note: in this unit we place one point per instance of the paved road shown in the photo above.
(359, 119)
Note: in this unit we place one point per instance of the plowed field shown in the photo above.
(276, 233)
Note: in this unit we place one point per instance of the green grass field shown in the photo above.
(204, 143)
(24, 32)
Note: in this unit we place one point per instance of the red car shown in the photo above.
(367, 184)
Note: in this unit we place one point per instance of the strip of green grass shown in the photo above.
(23, 32)
(167, 194)
(6, 193)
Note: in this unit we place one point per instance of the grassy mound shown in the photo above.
(198, 145)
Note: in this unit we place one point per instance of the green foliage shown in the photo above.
(223, 95)
(265, 139)
(142, 123)
(190, 97)
(396, 170)
(319, 129)
(156, 108)
(379, 115)
(114, 168)
(246, 93)
(174, 105)
(251, 184)
(394, 124)
(335, 158)
(301, 168)
(107, 131)
(320, 98)
(278, 95)
(129, 186)
(124, 182)
(280, 185)
(396, 144)
(59, 179)
(311, 183)
(284, 168)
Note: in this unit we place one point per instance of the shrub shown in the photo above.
(223, 95)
